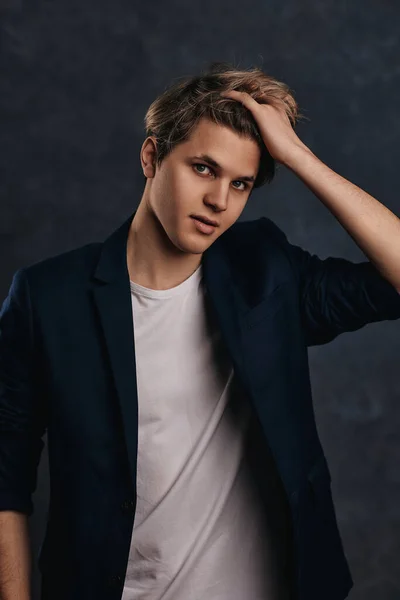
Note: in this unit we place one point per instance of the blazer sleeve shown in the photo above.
(22, 417)
(335, 294)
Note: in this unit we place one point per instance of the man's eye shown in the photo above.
(201, 165)
(207, 167)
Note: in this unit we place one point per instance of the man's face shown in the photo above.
(185, 185)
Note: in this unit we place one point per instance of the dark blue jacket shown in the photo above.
(68, 366)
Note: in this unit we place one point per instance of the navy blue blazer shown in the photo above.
(68, 368)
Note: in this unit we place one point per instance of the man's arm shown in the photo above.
(23, 422)
(374, 228)
(15, 556)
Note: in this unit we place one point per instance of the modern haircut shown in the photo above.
(176, 111)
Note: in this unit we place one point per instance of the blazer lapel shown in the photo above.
(112, 299)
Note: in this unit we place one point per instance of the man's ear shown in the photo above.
(148, 155)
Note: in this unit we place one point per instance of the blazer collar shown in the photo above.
(112, 263)
(217, 272)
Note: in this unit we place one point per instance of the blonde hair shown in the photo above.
(175, 112)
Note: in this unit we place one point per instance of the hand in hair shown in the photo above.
(274, 125)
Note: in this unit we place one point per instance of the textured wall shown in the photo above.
(75, 81)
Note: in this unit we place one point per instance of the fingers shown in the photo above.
(242, 97)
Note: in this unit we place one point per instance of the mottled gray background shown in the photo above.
(76, 79)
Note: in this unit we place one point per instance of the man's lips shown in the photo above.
(205, 220)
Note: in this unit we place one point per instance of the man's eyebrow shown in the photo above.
(211, 161)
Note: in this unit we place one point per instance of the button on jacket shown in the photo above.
(68, 367)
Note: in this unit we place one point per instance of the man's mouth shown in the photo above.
(205, 220)
(202, 225)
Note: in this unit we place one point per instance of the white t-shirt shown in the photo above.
(199, 532)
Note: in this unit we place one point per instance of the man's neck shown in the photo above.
(151, 260)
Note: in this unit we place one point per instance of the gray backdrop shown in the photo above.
(76, 78)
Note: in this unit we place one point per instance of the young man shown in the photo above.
(169, 367)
